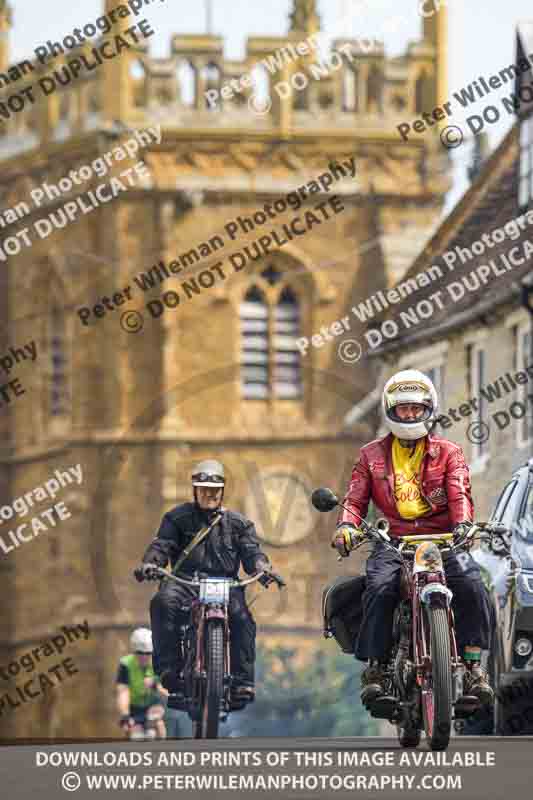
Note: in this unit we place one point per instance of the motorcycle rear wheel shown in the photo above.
(437, 693)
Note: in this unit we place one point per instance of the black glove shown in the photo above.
(264, 566)
(145, 572)
(270, 576)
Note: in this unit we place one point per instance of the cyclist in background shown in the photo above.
(139, 692)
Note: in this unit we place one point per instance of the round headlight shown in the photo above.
(523, 647)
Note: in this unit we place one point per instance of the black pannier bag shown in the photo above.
(342, 610)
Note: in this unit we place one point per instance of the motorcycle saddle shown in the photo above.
(342, 610)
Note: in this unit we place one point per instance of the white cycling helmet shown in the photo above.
(141, 641)
(409, 386)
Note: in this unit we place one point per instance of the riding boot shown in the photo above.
(372, 682)
(476, 684)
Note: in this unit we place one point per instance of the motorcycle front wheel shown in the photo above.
(437, 688)
(214, 643)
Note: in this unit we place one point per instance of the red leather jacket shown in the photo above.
(445, 484)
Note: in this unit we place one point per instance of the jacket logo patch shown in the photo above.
(438, 494)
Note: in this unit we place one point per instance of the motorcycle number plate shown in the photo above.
(214, 590)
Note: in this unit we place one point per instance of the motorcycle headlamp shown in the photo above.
(428, 557)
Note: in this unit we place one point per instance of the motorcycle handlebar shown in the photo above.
(379, 532)
(158, 572)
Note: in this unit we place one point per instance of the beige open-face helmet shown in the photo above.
(208, 473)
(410, 386)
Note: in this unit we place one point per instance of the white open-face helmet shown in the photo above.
(141, 641)
(410, 386)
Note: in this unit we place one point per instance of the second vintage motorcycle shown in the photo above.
(205, 650)
(424, 674)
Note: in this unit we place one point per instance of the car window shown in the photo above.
(525, 527)
(507, 504)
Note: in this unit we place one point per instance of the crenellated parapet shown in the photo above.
(283, 83)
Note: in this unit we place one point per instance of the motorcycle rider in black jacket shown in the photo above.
(232, 541)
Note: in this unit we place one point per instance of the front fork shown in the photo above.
(420, 633)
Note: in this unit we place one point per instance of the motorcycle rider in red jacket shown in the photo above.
(421, 483)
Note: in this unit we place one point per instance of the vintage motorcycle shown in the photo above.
(204, 649)
(424, 675)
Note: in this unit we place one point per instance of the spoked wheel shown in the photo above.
(437, 690)
(215, 680)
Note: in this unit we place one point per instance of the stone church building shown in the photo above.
(219, 372)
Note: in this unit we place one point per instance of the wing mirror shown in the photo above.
(324, 499)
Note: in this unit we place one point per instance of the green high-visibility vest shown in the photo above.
(139, 695)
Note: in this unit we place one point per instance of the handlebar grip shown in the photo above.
(272, 577)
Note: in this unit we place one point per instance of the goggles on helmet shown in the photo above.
(206, 479)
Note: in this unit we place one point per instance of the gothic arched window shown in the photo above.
(254, 344)
(269, 327)
(137, 74)
(260, 88)
(375, 91)
(58, 366)
(287, 375)
(186, 78)
(422, 93)
(65, 114)
(350, 97)
(211, 81)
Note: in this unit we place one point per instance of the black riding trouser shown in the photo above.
(170, 608)
(470, 603)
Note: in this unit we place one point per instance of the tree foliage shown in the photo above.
(318, 698)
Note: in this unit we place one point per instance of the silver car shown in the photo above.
(507, 568)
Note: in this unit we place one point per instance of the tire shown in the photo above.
(215, 679)
(408, 737)
(192, 687)
(437, 708)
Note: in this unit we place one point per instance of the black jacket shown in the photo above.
(232, 541)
